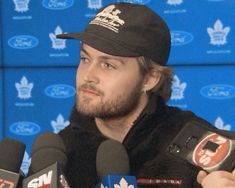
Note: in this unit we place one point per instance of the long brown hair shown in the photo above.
(163, 87)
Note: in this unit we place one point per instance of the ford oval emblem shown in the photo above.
(218, 91)
(179, 38)
(25, 128)
(23, 42)
(60, 91)
(57, 4)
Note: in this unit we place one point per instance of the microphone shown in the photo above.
(47, 163)
(204, 146)
(112, 165)
(11, 156)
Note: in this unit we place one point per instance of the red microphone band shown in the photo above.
(154, 181)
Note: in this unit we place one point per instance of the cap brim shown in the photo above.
(108, 46)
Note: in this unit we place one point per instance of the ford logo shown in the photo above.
(60, 91)
(57, 4)
(179, 38)
(218, 91)
(23, 42)
(25, 128)
(135, 1)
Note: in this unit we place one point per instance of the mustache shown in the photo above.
(90, 87)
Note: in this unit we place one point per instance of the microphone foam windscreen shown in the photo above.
(111, 158)
(47, 149)
(11, 154)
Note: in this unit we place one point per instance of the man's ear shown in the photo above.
(151, 79)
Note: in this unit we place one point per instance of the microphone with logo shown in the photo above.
(11, 156)
(112, 166)
(204, 146)
(47, 163)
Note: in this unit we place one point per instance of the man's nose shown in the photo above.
(91, 74)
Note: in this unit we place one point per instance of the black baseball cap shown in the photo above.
(129, 30)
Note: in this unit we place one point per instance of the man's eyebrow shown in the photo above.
(105, 57)
(113, 58)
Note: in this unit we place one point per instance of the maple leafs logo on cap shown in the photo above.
(109, 19)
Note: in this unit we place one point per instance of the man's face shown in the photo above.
(107, 86)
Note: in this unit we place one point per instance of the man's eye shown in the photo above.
(84, 59)
(108, 66)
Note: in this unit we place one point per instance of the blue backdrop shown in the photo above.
(37, 71)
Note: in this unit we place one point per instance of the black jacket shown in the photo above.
(146, 145)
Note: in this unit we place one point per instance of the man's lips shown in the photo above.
(90, 92)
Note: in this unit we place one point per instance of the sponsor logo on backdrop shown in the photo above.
(177, 95)
(24, 92)
(24, 88)
(135, 1)
(175, 7)
(178, 89)
(59, 124)
(174, 2)
(218, 38)
(218, 91)
(23, 42)
(60, 91)
(57, 44)
(57, 4)
(179, 38)
(24, 128)
(21, 5)
(94, 4)
(218, 34)
(219, 123)
(26, 163)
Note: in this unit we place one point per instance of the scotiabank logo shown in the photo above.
(43, 181)
(6, 183)
(211, 151)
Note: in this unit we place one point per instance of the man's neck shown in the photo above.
(117, 128)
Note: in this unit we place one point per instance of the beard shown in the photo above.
(115, 107)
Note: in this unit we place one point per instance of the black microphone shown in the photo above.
(11, 156)
(112, 165)
(47, 163)
(204, 146)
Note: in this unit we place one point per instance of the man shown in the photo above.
(122, 86)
